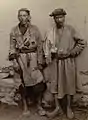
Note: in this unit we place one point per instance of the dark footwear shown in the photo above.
(70, 113)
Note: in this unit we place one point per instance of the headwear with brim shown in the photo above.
(58, 11)
(24, 9)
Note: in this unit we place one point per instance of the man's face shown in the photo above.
(59, 20)
(23, 17)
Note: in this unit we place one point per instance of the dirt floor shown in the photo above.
(15, 113)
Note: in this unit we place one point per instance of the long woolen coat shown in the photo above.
(63, 79)
(31, 74)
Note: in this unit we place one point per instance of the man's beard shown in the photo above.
(26, 23)
(59, 25)
(23, 23)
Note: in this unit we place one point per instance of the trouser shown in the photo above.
(32, 92)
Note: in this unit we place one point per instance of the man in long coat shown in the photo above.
(26, 52)
(62, 45)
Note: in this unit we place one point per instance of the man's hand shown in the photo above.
(40, 66)
(13, 56)
(48, 60)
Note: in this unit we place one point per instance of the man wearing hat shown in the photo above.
(26, 52)
(62, 45)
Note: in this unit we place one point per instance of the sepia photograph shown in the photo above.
(43, 60)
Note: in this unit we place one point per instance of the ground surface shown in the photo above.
(15, 113)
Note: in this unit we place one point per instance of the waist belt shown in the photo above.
(27, 51)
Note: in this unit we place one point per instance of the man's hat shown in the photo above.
(58, 11)
(24, 9)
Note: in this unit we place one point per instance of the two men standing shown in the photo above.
(62, 45)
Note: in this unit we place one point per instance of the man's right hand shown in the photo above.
(12, 56)
(48, 60)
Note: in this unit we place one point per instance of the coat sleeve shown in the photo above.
(12, 49)
(79, 45)
(47, 48)
(39, 47)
